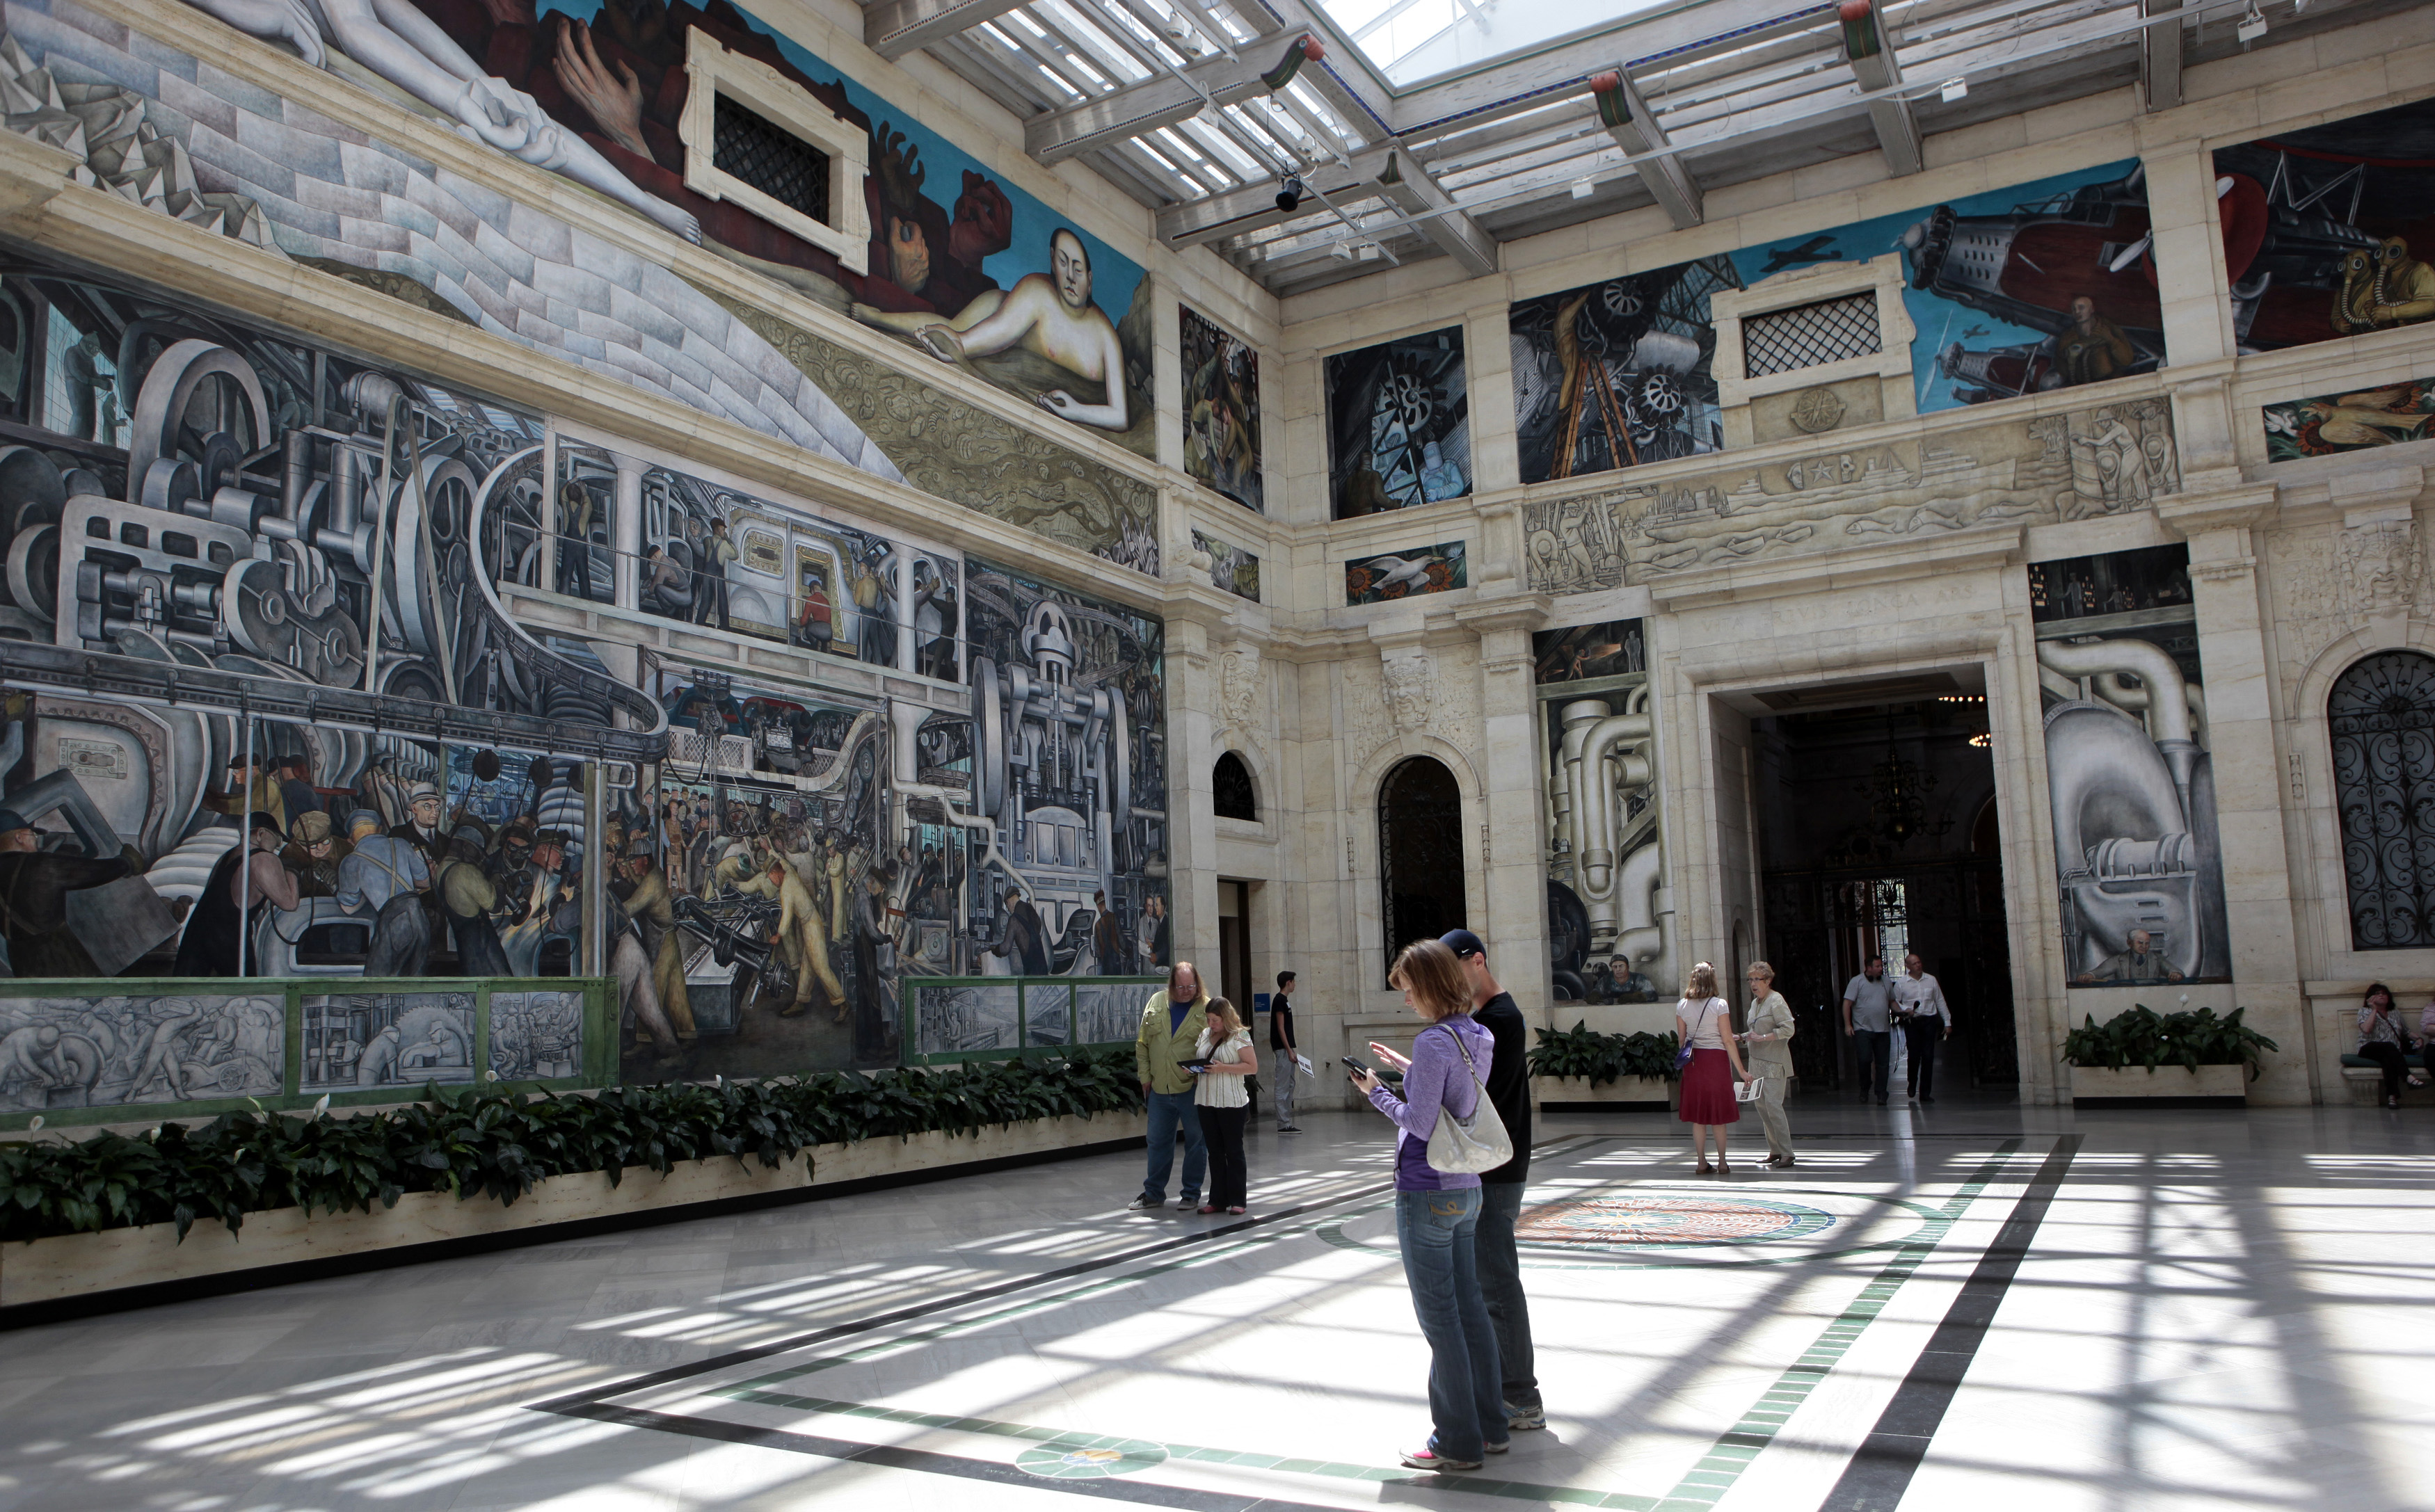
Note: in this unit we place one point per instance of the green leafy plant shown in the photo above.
(499, 1141)
(2192, 1037)
(1581, 1050)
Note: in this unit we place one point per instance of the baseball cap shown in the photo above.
(1462, 942)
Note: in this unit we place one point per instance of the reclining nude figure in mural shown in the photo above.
(402, 45)
(1047, 314)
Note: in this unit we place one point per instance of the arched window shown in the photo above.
(2382, 718)
(1230, 788)
(1420, 852)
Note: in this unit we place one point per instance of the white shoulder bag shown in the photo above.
(1470, 1144)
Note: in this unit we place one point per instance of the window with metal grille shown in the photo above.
(1230, 785)
(772, 158)
(2382, 718)
(1807, 335)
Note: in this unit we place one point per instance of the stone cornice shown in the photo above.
(2194, 512)
(1845, 567)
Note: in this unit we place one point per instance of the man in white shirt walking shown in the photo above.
(1867, 999)
(1926, 1019)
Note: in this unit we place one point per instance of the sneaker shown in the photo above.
(1289, 1129)
(1145, 1204)
(1425, 1459)
(1498, 1448)
(1187, 1205)
(1521, 1420)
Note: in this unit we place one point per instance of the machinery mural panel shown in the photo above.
(1398, 424)
(2128, 774)
(1610, 910)
(1618, 373)
(2328, 232)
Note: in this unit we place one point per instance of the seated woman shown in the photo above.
(2382, 1041)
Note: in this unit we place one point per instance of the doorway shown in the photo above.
(1234, 946)
(1878, 837)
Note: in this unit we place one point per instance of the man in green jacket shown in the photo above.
(1170, 1031)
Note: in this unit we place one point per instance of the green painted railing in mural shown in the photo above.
(117, 1051)
(951, 1020)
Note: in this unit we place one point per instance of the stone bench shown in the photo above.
(2365, 1080)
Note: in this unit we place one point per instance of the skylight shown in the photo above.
(1413, 39)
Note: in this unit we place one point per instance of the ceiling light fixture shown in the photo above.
(1954, 89)
(1368, 252)
(1583, 188)
(1289, 193)
(1342, 251)
(2252, 26)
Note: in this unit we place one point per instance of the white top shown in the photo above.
(1221, 1091)
(1710, 1021)
(1918, 997)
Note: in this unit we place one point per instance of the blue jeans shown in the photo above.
(1167, 1110)
(1872, 1053)
(1466, 1406)
(1500, 1286)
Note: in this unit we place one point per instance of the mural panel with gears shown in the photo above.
(1617, 373)
(1398, 424)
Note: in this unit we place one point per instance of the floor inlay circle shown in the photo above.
(1090, 1462)
(1652, 1221)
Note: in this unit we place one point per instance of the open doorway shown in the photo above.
(1234, 946)
(1877, 837)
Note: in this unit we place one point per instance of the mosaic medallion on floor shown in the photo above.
(1640, 1220)
(1091, 1462)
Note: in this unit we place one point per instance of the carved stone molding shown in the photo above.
(1410, 687)
(1239, 686)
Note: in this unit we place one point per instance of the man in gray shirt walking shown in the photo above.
(1866, 998)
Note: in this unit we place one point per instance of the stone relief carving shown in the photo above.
(1239, 695)
(2039, 470)
(2330, 580)
(958, 451)
(2383, 563)
(1411, 691)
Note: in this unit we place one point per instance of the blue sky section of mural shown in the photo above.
(1112, 277)
(1996, 281)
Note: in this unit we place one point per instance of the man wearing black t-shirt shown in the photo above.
(1281, 1042)
(1500, 1190)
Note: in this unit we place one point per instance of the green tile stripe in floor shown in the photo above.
(1700, 1488)
(1706, 1482)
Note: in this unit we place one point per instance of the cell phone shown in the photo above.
(1194, 1066)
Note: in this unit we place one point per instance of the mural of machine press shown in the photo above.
(1610, 913)
(2127, 770)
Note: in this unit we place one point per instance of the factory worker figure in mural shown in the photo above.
(1107, 939)
(409, 50)
(574, 542)
(421, 826)
(651, 904)
(314, 855)
(710, 589)
(874, 960)
(250, 787)
(1026, 945)
(2136, 963)
(1156, 937)
(545, 884)
(231, 905)
(34, 885)
(2094, 349)
(801, 935)
(1047, 314)
(385, 879)
(467, 895)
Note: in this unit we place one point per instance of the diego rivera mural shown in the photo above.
(1398, 424)
(1221, 409)
(2128, 769)
(2045, 285)
(1610, 915)
(194, 492)
(2328, 232)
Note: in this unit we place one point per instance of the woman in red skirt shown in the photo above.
(1705, 1023)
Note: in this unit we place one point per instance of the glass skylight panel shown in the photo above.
(1408, 41)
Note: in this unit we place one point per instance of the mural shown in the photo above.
(1035, 320)
(1610, 913)
(1230, 568)
(1425, 570)
(1614, 374)
(401, 1042)
(2332, 423)
(84, 1052)
(717, 556)
(2327, 231)
(2127, 770)
(1222, 410)
(1398, 424)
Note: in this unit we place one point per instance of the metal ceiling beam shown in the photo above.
(1871, 52)
(2160, 58)
(1253, 207)
(892, 28)
(1139, 109)
(1628, 119)
(1405, 185)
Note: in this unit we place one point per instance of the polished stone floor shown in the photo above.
(1972, 1306)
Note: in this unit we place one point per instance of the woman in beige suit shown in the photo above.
(1770, 1041)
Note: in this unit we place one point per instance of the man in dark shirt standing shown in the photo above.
(1500, 1190)
(1281, 1041)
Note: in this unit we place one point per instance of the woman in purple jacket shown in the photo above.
(1436, 1211)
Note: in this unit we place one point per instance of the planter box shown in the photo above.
(81, 1265)
(1627, 1094)
(2160, 1087)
